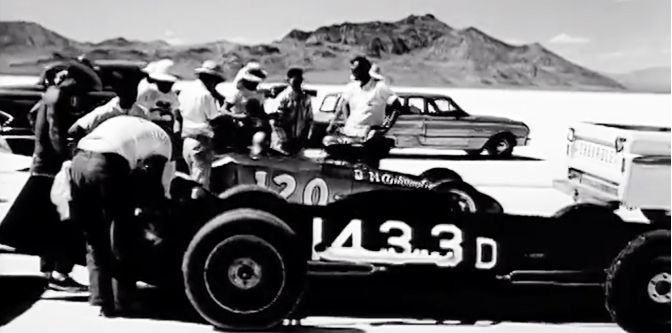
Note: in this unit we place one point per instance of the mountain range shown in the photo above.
(414, 51)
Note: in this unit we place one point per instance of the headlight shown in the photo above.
(570, 135)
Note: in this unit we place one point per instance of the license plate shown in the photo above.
(596, 153)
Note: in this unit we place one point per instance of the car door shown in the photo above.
(443, 129)
(409, 129)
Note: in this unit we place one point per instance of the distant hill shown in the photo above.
(654, 79)
(414, 51)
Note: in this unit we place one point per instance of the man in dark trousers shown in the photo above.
(103, 202)
(33, 223)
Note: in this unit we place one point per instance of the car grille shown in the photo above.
(596, 153)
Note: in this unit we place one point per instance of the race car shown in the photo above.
(246, 254)
(347, 169)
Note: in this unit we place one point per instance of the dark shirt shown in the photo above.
(51, 125)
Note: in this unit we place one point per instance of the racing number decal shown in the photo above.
(353, 231)
(316, 191)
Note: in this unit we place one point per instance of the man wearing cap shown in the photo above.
(245, 103)
(294, 116)
(368, 102)
(199, 108)
(32, 211)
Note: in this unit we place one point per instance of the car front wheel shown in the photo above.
(242, 271)
(501, 145)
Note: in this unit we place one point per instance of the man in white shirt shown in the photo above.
(126, 88)
(367, 102)
(103, 202)
(199, 108)
(244, 104)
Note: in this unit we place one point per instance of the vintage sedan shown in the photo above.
(436, 121)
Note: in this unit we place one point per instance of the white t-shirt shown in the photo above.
(240, 97)
(198, 108)
(152, 99)
(104, 112)
(367, 103)
(133, 138)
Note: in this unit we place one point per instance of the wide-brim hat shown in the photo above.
(161, 70)
(252, 72)
(210, 67)
(375, 72)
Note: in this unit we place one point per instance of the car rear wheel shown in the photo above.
(501, 145)
(242, 271)
(638, 284)
(463, 197)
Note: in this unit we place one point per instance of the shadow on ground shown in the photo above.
(378, 300)
(18, 294)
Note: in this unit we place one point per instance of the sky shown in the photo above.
(612, 36)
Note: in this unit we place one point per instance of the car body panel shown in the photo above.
(312, 181)
(431, 120)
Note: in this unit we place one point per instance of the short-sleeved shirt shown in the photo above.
(198, 107)
(107, 111)
(152, 99)
(240, 97)
(297, 112)
(367, 103)
(133, 138)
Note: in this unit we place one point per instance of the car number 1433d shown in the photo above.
(451, 254)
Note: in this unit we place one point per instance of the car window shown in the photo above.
(329, 103)
(416, 105)
(437, 105)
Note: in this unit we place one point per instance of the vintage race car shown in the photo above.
(245, 251)
(620, 165)
(437, 121)
(345, 170)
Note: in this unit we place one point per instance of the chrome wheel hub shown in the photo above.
(659, 288)
(464, 201)
(245, 273)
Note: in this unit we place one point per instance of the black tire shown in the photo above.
(260, 275)
(436, 175)
(588, 212)
(465, 198)
(253, 196)
(657, 216)
(633, 301)
(501, 145)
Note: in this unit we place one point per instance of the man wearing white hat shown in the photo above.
(162, 63)
(367, 102)
(156, 95)
(199, 107)
(245, 103)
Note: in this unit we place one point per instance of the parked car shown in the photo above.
(17, 101)
(437, 121)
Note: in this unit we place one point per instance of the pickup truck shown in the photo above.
(620, 166)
